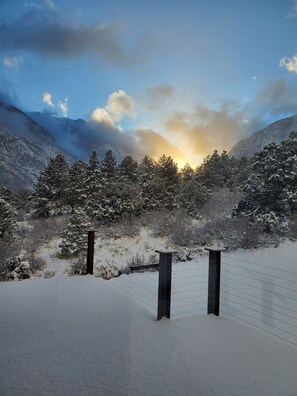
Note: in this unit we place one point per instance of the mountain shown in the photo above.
(25, 148)
(275, 132)
(80, 137)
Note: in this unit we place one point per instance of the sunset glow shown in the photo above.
(168, 77)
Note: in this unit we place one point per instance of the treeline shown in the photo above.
(106, 190)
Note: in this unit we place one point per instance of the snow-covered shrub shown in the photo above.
(43, 230)
(18, 268)
(36, 263)
(78, 266)
(136, 261)
(292, 227)
(127, 226)
(220, 204)
(233, 233)
(273, 223)
(75, 236)
(159, 222)
(107, 271)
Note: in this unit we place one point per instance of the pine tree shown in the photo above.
(272, 184)
(50, 195)
(191, 197)
(108, 166)
(168, 173)
(8, 223)
(75, 237)
(129, 169)
(77, 185)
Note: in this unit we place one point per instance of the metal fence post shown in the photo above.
(90, 255)
(214, 279)
(164, 288)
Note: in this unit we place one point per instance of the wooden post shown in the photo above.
(164, 289)
(214, 279)
(90, 256)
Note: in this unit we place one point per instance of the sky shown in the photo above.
(179, 77)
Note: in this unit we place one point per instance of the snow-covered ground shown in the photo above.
(81, 336)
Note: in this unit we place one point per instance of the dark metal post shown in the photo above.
(214, 279)
(164, 289)
(90, 256)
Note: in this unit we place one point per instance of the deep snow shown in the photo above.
(81, 336)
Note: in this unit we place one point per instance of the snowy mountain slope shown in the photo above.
(25, 149)
(80, 137)
(275, 132)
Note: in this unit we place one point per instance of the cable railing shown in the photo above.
(256, 294)
(263, 296)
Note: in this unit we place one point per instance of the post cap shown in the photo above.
(215, 249)
(166, 251)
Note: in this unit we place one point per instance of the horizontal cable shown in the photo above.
(133, 296)
(262, 273)
(190, 283)
(178, 316)
(259, 280)
(257, 287)
(155, 281)
(244, 313)
(258, 327)
(140, 284)
(189, 269)
(188, 298)
(189, 276)
(262, 313)
(185, 291)
(258, 298)
(188, 305)
(257, 264)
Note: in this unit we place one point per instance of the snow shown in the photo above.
(81, 336)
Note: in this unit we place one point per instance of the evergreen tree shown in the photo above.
(129, 169)
(191, 197)
(77, 185)
(216, 170)
(272, 184)
(51, 188)
(168, 173)
(8, 223)
(187, 173)
(93, 185)
(108, 166)
(75, 237)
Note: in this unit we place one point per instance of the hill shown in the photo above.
(275, 132)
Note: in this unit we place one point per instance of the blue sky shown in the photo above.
(182, 77)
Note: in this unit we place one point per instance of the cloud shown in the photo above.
(158, 96)
(119, 105)
(155, 145)
(293, 12)
(276, 99)
(7, 92)
(289, 63)
(50, 4)
(42, 33)
(12, 61)
(63, 106)
(47, 99)
(205, 129)
(100, 115)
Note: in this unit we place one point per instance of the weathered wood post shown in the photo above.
(214, 279)
(164, 289)
(90, 255)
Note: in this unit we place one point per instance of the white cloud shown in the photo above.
(120, 105)
(289, 63)
(12, 61)
(102, 116)
(47, 99)
(293, 11)
(50, 4)
(254, 78)
(63, 106)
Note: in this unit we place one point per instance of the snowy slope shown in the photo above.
(80, 336)
(25, 149)
(275, 132)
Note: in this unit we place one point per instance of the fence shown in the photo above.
(256, 294)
